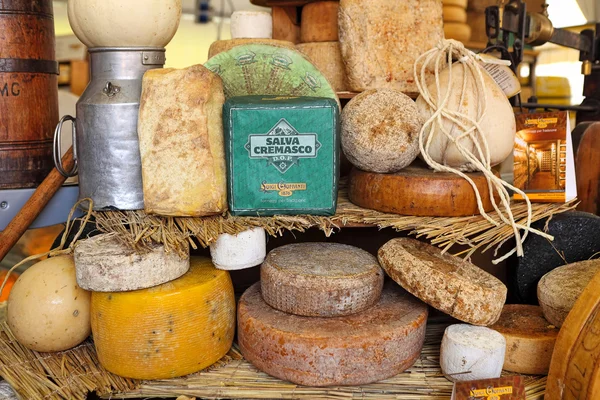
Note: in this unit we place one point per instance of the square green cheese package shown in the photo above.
(282, 155)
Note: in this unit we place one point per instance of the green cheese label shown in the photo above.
(282, 156)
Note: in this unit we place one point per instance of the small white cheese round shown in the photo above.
(244, 250)
(251, 25)
(471, 352)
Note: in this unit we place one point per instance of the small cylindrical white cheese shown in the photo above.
(244, 250)
(251, 25)
(471, 352)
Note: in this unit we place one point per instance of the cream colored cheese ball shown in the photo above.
(121, 23)
(380, 130)
(47, 311)
(498, 125)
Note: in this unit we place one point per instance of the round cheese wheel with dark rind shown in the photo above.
(425, 193)
(380, 130)
(559, 289)
(448, 283)
(319, 22)
(358, 349)
(530, 339)
(321, 279)
(575, 366)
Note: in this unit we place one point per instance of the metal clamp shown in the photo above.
(57, 151)
(111, 90)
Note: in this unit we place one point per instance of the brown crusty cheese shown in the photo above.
(319, 22)
(321, 279)
(327, 57)
(381, 40)
(221, 46)
(448, 283)
(362, 348)
(180, 129)
(286, 24)
(559, 289)
(530, 339)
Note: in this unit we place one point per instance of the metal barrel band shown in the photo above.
(57, 151)
(28, 65)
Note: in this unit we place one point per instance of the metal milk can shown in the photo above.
(105, 139)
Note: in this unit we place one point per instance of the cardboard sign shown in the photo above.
(504, 388)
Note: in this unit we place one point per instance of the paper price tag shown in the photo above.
(501, 73)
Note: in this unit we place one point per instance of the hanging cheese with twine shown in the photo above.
(469, 126)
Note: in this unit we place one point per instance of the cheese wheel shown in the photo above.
(478, 5)
(559, 289)
(327, 57)
(321, 279)
(380, 130)
(286, 25)
(457, 31)
(169, 330)
(245, 250)
(476, 22)
(498, 127)
(454, 14)
(382, 39)
(424, 192)
(470, 353)
(529, 339)
(362, 348)
(104, 264)
(448, 283)
(221, 46)
(319, 22)
(456, 3)
(251, 24)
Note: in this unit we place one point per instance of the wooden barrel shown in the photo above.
(28, 92)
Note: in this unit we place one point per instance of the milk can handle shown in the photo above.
(57, 151)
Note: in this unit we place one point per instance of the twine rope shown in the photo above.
(466, 133)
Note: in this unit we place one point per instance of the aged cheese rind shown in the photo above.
(530, 339)
(352, 350)
(559, 289)
(286, 23)
(380, 130)
(381, 40)
(251, 24)
(319, 22)
(471, 353)
(221, 46)
(247, 249)
(327, 57)
(104, 264)
(448, 283)
(180, 129)
(321, 279)
(167, 331)
(457, 31)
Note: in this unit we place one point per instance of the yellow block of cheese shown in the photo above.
(170, 330)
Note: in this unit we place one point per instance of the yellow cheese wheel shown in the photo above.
(454, 14)
(476, 21)
(457, 31)
(457, 3)
(166, 331)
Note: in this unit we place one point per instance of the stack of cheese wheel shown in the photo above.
(321, 316)
(476, 19)
(455, 20)
(320, 41)
(249, 27)
(154, 315)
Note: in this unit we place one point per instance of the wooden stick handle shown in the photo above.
(34, 206)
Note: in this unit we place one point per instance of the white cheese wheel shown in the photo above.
(47, 311)
(321, 279)
(454, 14)
(471, 352)
(104, 264)
(530, 339)
(327, 57)
(357, 349)
(498, 125)
(560, 288)
(244, 250)
(380, 130)
(457, 31)
(319, 22)
(251, 25)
